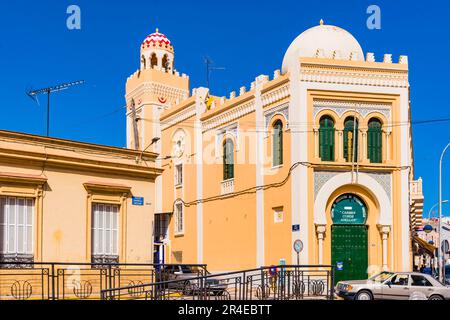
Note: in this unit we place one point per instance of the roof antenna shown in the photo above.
(209, 68)
(34, 93)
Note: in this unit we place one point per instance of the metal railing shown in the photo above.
(73, 281)
(266, 283)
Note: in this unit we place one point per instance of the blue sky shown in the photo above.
(248, 38)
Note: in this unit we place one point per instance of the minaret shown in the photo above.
(155, 87)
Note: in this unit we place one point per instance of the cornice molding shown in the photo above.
(229, 116)
(275, 95)
(179, 117)
(158, 89)
(354, 76)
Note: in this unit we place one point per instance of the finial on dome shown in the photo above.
(321, 22)
(157, 30)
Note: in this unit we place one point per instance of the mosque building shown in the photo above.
(319, 152)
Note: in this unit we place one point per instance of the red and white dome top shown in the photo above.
(157, 40)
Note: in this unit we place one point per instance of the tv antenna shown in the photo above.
(33, 94)
(209, 68)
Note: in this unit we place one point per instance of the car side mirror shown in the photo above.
(389, 284)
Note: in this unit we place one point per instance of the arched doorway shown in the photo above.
(349, 238)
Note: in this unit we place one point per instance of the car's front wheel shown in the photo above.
(364, 295)
(436, 297)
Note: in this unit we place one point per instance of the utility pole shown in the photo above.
(34, 93)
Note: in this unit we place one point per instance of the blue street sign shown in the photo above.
(138, 201)
(340, 266)
(295, 228)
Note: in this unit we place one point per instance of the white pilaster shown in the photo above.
(260, 131)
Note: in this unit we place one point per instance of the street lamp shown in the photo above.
(434, 206)
(441, 257)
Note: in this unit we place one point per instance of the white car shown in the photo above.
(393, 286)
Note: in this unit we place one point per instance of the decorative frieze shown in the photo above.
(275, 95)
(282, 109)
(322, 177)
(159, 90)
(363, 108)
(348, 76)
(178, 117)
(229, 116)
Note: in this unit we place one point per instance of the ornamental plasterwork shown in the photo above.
(229, 116)
(322, 177)
(282, 109)
(178, 117)
(160, 90)
(231, 130)
(385, 180)
(275, 95)
(396, 80)
(363, 108)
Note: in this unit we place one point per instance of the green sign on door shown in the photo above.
(349, 209)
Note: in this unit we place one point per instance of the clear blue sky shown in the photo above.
(248, 38)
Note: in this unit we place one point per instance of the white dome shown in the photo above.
(324, 41)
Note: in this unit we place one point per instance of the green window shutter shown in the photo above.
(326, 139)
(228, 160)
(351, 144)
(277, 149)
(374, 141)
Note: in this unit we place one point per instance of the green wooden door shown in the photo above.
(349, 252)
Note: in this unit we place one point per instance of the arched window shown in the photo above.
(165, 62)
(144, 62)
(351, 140)
(277, 148)
(374, 141)
(153, 60)
(326, 139)
(228, 159)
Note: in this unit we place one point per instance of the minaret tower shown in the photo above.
(155, 87)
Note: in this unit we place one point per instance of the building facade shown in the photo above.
(321, 152)
(72, 202)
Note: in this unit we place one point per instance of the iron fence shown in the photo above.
(266, 283)
(73, 281)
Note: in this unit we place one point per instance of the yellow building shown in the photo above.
(72, 202)
(321, 152)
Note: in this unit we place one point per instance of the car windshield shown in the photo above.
(381, 277)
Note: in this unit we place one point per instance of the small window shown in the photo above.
(178, 175)
(278, 215)
(153, 60)
(179, 218)
(277, 149)
(228, 160)
(105, 231)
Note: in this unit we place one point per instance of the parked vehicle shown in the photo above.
(393, 286)
(188, 279)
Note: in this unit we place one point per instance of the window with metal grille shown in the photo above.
(161, 231)
(179, 218)
(374, 141)
(105, 219)
(16, 226)
(326, 139)
(178, 175)
(277, 148)
(351, 131)
(228, 159)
